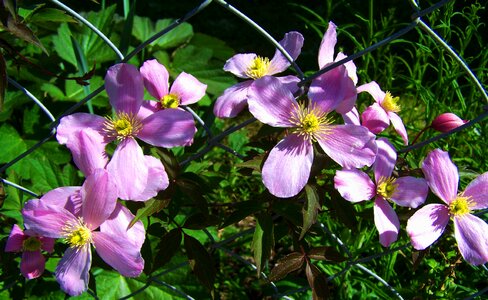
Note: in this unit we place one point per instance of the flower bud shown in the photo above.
(446, 122)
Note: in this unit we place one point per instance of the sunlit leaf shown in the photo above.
(286, 265)
(150, 207)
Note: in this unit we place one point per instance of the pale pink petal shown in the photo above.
(168, 128)
(72, 272)
(125, 88)
(60, 196)
(326, 50)
(47, 244)
(15, 239)
(148, 108)
(71, 124)
(292, 43)
(127, 170)
(118, 223)
(88, 150)
(118, 253)
(350, 146)
(32, 264)
(188, 88)
(351, 117)
(374, 90)
(386, 221)
(410, 191)
(397, 123)
(477, 191)
(99, 195)
(350, 67)
(427, 224)
(155, 78)
(375, 118)
(385, 160)
(290, 82)
(292, 153)
(158, 179)
(441, 175)
(271, 103)
(46, 220)
(232, 101)
(239, 63)
(472, 238)
(350, 97)
(354, 185)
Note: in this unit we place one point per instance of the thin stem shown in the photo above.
(32, 97)
(23, 189)
(199, 120)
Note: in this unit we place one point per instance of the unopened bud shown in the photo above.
(446, 122)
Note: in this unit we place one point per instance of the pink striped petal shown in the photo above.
(32, 264)
(125, 88)
(477, 191)
(290, 82)
(326, 50)
(88, 150)
(155, 78)
(127, 169)
(239, 63)
(71, 124)
(441, 175)
(271, 103)
(72, 272)
(397, 123)
(287, 168)
(427, 224)
(158, 179)
(46, 220)
(292, 43)
(374, 90)
(386, 221)
(118, 253)
(168, 128)
(385, 160)
(147, 109)
(15, 239)
(350, 146)
(354, 185)
(351, 117)
(350, 67)
(232, 101)
(472, 237)
(375, 118)
(117, 225)
(410, 191)
(188, 88)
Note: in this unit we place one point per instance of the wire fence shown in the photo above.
(215, 140)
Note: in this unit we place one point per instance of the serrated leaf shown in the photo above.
(51, 15)
(14, 146)
(262, 241)
(167, 248)
(200, 262)
(286, 265)
(95, 49)
(317, 282)
(61, 40)
(325, 253)
(3, 195)
(179, 35)
(53, 91)
(219, 48)
(31, 119)
(150, 207)
(310, 209)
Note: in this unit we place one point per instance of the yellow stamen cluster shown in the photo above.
(310, 122)
(390, 103)
(77, 234)
(170, 101)
(386, 187)
(460, 206)
(31, 243)
(258, 67)
(122, 126)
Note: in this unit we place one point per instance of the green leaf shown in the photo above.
(286, 265)
(219, 49)
(200, 261)
(95, 49)
(3, 80)
(21, 30)
(150, 207)
(325, 253)
(31, 119)
(167, 248)
(144, 28)
(53, 91)
(50, 15)
(13, 144)
(61, 42)
(310, 209)
(262, 241)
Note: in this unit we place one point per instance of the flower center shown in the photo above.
(310, 122)
(460, 206)
(77, 234)
(122, 126)
(390, 103)
(386, 187)
(31, 243)
(170, 101)
(258, 67)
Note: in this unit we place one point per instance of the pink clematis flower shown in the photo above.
(446, 122)
(429, 222)
(75, 214)
(132, 171)
(355, 186)
(378, 116)
(287, 168)
(30, 244)
(251, 66)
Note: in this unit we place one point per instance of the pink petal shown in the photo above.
(125, 88)
(67, 197)
(427, 224)
(99, 195)
(410, 191)
(350, 146)
(72, 272)
(147, 109)
(374, 90)
(155, 78)
(292, 43)
(290, 82)
(118, 253)
(291, 153)
(351, 117)
(385, 160)
(188, 88)
(271, 103)
(158, 179)
(32, 264)
(128, 170)
(441, 175)
(15, 239)
(88, 149)
(47, 244)
(168, 128)
(386, 221)
(239, 63)
(375, 118)
(350, 67)
(46, 220)
(354, 185)
(472, 237)
(397, 123)
(117, 225)
(477, 190)
(326, 50)
(446, 122)
(232, 101)
(71, 124)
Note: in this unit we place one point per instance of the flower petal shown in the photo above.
(374, 90)
(15, 239)
(46, 220)
(117, 225)
(168, 128)
(472, 237)
(122, 256)
(271, 103)
(351, 117)
(427, 224)
(354, 185)
(477, 190)
(290, 82)
(232, 101)
(158, 179)
(188, 88)
(375, 118)
(386, 221)
(72, 271)
(68, 197)
(32, 264)
(397, 123)
(350, 67)
(292, 43)
(287, 168)
(155, 78)
(326, 50)
(47, 244)
(350, 146)
(410, 191)
(125, 88)
(385, 160)
(71, 124)
(88, 149)
(147, 109)
(441, 175)
(239, 63)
